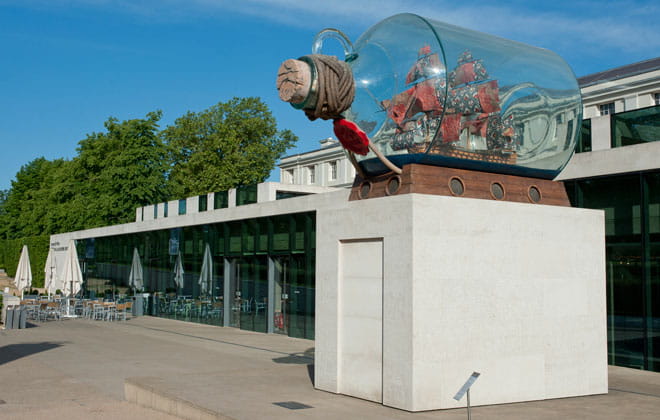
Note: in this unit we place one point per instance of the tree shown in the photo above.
(116, 172)
(113, 173)
(232, 143)
(3, 200)
(26, 205)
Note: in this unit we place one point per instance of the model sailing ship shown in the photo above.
(471, 126)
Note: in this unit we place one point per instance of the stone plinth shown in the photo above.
(415, 292)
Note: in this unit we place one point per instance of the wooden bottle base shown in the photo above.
(437, 180)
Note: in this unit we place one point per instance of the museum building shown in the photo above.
(261, 241)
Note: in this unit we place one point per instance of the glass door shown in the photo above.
(234, 298)
(294, 296)
(253, 275)
(280, 315)
(249, 309)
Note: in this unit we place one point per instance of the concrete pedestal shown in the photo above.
(415, 292)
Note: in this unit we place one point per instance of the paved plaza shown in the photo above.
(84, 369)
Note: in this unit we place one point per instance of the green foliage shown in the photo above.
(26, 205)
(232, 143)
(117, 171)
(114, 172)
(10, 252)
(132, 164)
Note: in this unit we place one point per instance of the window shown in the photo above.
(333, 170)
(202, 203)
(606, 109)
(312, 174)
(221, 200)
(656, 98)
(635, 127)
(155, 211)
(281, 195)
(246, 194)
(165, 207)
(182, 206)
(584, 141)
(141, 214)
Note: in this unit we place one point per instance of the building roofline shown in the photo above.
(331, 146)
(620, 72)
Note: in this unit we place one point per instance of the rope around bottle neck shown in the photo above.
(335, 87)
(335, 92)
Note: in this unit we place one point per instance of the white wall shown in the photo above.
(513, 291)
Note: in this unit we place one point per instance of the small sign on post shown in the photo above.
(465, 389)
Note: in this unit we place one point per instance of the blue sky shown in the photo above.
(68, 65)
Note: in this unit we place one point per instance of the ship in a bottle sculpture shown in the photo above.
(465, 108)
(415, 91)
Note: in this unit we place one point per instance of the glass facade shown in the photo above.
(632, 224)
(627, 128)
(635, 127)
(253, 274)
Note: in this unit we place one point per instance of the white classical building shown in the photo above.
(621, 89)
(326, 166)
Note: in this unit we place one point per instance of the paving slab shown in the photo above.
(87, 369)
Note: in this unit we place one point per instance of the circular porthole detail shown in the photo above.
(456, 186)
(534, 194)
(393, 185)
(497, 191)
(365, 189)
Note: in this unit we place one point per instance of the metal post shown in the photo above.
(468, 404)
(465, 389)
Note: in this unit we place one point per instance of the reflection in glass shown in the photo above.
(632, 223)
(585, 137)
(635, 127)
(246, 194)
(221, 200)
(184, 272)
(653, 271)
(253, 275)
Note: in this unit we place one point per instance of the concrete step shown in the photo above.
(150, 392)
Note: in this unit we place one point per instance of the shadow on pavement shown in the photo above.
(300, 358)
(310, 372)
(12, 352)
